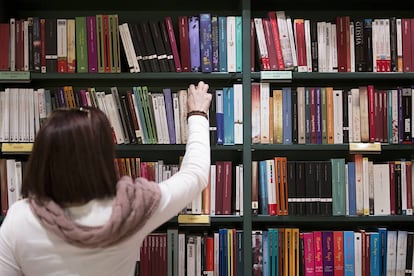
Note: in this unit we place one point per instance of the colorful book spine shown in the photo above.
(173, 43)
(338, 186)
(92, 44)
(194, 38)
(309, 254)
(317, 242)
(349, 263)
(220, 116)
(222, 28)
(263, 190)
(239, 44)
(215, 43)
(206, 43)
(287, 115)
(228, 111)
(81, 45)
(328, 253)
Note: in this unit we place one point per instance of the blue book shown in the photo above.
(351, 189)
(228, 111)
(349, 262)
(222, 28)
(219, 117)
(265, 252)
(206, 50)
(338, 186)
(287, 115)
(194, 37)
(170, 114)
(383, 245)
(375, 253)
(223, 251)
(239, 44)
(263, 196)
(274, 251)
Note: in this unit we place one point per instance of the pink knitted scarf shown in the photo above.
(133, 205)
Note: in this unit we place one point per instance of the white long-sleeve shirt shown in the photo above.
(27, 248)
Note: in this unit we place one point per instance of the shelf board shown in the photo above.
(369, 76)
(169, 147)
(333, 219)
(137, 76)
(325, 147)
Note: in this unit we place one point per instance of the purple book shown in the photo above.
(194, 36)
(205, 42)
(170, 114)
(92, 50)
(327, 253)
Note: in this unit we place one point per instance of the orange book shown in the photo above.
(359, 188)
(294, 252)
(338, 248)
(281, 185)
(278, 116)
(287, 252)
(206, 198)
(329, 115)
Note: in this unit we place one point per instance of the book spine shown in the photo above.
(215, 43)
(92, 44)
(222, 29)
(194, 39)
(184, 43)
(173, 43)
(205, 42)
(167, 46)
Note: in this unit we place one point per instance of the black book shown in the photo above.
(359, 44)
(294, 104)
(51, 45)
(300, 188)
(117, 99)
(36, 44)
(291, 173)
(314, 45)
(150, 52)
(325, 189)
(212, 119)
(128, 118)
(310, 188)
(368, 44)
(393, 44)
(159, 45)
(139, 47)
(345, 117)
(167, 45)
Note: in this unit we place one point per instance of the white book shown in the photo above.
(387, 42)
(21, 113)
(358, 253)
(392, 238)
(12, 193)
(231, 43)
(114, 118)
(176, 111)
(308, 45)
(241, 188)
(284, 40)
(394, 107)
(212, 190)
(62, 40)
(2, 111)
(401, 252)
(181, 254)
(350, 116)
(19, 178)
(264, 114)
(238, 113)
(128, 45)
(182, 97)
(375, 44)
(14, 114)
(365, 185)
(301, 115)
(139, 133)
(261, 41)
(35, 118)
(356, 124)
(399, 44)
(352, 45)
(191, 255)
(338, 116)
(198, 255)
(216, 253)
(321, 45)
(157, 122)
(291, 35)
(26, 114)
(163, 118)
(382, 205)
(6, 115)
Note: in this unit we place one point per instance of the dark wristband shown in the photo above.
(197, 112)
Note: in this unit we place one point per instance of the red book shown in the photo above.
(260, 39)
(299, 25)
(309, 254)
(106, 41)
(406, 44)
(184, 43)
(269, 44)
(43, 45)
(173, 43)
(341, 41)
(209, 255)
(4, 46)
(276, 40)
(371, 112)
(392, 187)
(219, 187)
(338, 244)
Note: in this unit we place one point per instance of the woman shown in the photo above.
(73, 219)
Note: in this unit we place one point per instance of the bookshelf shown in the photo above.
(129, 11)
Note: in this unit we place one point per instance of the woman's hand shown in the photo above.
(198, 98)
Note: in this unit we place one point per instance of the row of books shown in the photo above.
(289, 251)
(358, 187)
(343, 44)
(329, 115)
(101, 44)
(279, 251)
(137, 115)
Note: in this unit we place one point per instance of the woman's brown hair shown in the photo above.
(72, 161)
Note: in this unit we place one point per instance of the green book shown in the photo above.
(81, 45)
(338, 186)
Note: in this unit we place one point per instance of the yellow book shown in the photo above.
(278, 116)
(329, 115)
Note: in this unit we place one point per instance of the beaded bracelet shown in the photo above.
(197, 112)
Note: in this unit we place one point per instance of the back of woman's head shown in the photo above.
(72, 160)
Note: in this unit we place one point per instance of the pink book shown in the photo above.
(173, 44)
(309, 253)
(317, 243)
(92, 46)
